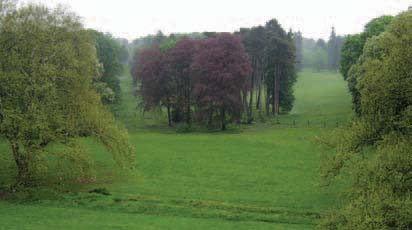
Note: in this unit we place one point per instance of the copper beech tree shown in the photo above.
(207, 76)
(222, 69)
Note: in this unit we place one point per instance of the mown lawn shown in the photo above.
(263, 176)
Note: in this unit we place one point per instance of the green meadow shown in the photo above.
(260, 176)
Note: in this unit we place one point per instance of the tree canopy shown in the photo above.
(273, 57)
(177, 73)
(206, 74)
(47, 65)
(110, 54)
(377, 146)
(352, 50)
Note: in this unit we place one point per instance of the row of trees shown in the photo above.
(48, 64)
(377, 147)
(215, 76)
(272, 54)
(319, 54)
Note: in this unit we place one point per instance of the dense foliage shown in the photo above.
(180, 74)
(377, 147)
(353, 49)
(273, 57)
(222, 68)
(110, 54)
(206, 74)
(298, 39)
(47, 65)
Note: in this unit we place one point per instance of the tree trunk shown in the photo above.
(267, 102)
(22, 164)
(250, 112)
(274, 97)
(277, 91)
(189, 115)
(244, 101)
(210, 122)
(260, 82)
(169, 118)
(188, 109)
(223, 118)
(259, 96)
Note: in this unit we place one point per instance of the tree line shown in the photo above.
(214, 78)
(319, 55)
(376, 148)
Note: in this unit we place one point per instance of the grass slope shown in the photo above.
(265, 177)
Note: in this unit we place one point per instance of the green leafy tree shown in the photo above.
(352, 50)
(333, 49)
(47, 65)
(298, 39)
(377, 147)
(281, 75)
(315, 54)
(319, 57)
(110, 54)
(254, 41)
(273, 57)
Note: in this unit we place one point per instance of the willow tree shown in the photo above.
(47, 65)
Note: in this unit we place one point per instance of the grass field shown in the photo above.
(263, 176)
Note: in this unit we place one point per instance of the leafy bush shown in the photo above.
(102, 191)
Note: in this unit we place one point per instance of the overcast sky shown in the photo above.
(133, 18)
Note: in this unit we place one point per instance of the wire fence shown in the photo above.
(307, 123)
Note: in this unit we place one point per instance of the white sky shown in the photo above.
(133, 18)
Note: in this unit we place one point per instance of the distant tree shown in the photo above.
(47, 65)
(280, 74)
(124, 55)
(154, 83)
(110, 54)
(254, 41)
(210, 34)
(139, 44)
(340, 40)
(315, 55)
(320, 59)
(322, 44)
(222, 68)
(273, 56)
(298, 40)
(289, 76)
(159, 38)
(179, 59)
(333, 51)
